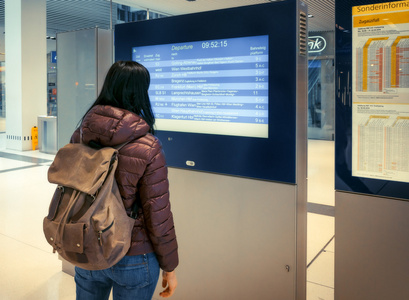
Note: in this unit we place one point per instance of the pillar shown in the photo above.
(26, 69)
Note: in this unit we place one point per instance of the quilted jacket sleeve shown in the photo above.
(154, 193)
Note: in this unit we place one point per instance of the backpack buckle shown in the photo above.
(134, 212)
(134, 215)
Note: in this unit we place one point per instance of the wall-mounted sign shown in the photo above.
(316, 44)
(321, 43)
(380, 85)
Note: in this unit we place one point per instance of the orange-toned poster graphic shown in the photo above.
(380, 85)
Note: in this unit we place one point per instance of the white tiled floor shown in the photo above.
(29, 270)
(320, 251)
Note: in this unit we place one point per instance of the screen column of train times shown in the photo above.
(212, 87)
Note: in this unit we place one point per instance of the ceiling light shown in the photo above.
(310, 16)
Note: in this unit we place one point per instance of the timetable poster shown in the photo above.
(212, 87)
(380, 91)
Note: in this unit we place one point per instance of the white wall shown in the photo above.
(26, 66)
(2, 43)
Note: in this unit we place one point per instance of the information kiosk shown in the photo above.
(372, 139)
(228, 90)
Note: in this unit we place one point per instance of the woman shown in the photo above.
(122, 113)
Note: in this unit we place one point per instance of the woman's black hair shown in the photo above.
(126, 86)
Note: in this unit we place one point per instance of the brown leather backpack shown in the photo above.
(87, 223)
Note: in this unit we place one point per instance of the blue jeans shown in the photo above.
(133, 277)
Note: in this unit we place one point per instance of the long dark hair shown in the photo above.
(126, 86)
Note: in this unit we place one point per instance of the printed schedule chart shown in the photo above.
(224, 80)
(380, 98)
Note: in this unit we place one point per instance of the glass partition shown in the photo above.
(52, 83)
(2, 98)
(321, 85)
(321, 104)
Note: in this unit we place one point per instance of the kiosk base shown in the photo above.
(371, 247)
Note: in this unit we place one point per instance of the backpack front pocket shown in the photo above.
(103, 224)
(72, 239)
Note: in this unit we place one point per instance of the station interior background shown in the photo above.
(63, 16)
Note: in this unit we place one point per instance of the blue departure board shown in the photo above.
(213, 86)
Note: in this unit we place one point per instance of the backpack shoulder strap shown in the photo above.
(119, 147)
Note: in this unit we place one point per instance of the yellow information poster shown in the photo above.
(380, 89)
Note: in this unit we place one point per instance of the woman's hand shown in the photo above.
(169, 282)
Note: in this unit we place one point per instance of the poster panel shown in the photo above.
(380, 91)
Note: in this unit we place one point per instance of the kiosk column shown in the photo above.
(371, 157)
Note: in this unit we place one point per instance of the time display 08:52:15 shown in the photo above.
(214, 44)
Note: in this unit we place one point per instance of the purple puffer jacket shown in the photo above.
(141, 176)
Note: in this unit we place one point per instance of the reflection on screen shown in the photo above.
(212, 87)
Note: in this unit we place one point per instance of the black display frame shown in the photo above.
(272, 158)
(344, 181)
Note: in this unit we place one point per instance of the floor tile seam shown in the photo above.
(21, 168)
(26, 154)
(26, 244)
(320, 214)
(320, 284)
(321, 209)
(26, 158)
(320, 252)
(312, 202)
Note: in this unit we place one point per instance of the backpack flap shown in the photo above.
(81, 167)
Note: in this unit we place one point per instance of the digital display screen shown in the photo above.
(211, 87)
